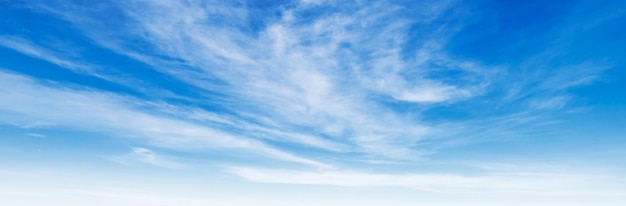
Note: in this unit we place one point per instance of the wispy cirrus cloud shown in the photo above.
(29, 48)
(114, 115)
(146, 156)
(503, 182)
(332, 75)
(355, 80)
(316, 74)
(36, 135)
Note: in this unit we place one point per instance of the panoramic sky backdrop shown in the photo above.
(312, 102)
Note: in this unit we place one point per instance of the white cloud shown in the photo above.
(36, 135)
(147, 156)
(28, 48)
(549, 103)
(505, 183)
(324, 82)
(292, 71)
(329, 76)
(37, 124)
(111, 114)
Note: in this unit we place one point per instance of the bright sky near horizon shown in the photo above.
(312, 102)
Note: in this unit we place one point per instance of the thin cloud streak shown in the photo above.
(147, 156)
(114, 115)
(503, 182)
(28, 48)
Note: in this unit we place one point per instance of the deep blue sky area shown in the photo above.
(507, 32)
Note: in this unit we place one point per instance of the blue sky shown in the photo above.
(312, 102)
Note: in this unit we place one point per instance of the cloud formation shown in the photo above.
(320, 91)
